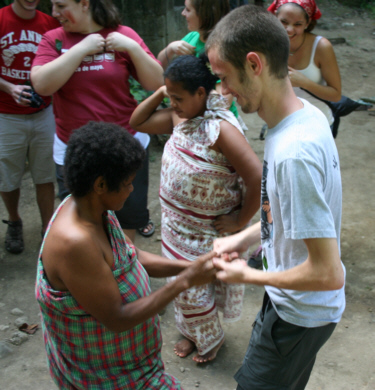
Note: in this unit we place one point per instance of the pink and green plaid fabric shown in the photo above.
(82, 353)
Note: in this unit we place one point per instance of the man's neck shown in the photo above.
(278, 103)
(22, 12)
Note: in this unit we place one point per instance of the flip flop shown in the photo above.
(150, 232)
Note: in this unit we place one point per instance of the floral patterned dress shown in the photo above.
(197, 185)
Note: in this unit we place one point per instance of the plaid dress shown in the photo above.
(82, 353)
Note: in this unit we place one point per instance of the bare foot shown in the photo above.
(210, 355)
(184, 348)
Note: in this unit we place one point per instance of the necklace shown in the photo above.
(295, 51)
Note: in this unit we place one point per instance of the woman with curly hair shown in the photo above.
(99, 317)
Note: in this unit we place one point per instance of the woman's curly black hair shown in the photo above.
(192, 72)
(100, 149)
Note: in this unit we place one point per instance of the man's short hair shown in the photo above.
(251, 29)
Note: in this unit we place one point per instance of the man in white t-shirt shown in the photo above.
(301, 206)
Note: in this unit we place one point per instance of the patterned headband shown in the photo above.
(309, 6)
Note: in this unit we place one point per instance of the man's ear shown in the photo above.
(254, 62)
(100, 185)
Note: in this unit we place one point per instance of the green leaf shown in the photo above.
(265, 263)
(58, 45)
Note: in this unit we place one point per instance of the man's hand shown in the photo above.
(21, 94)
(231, 272)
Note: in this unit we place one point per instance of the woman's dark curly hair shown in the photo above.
(100, 149)
(192, 72)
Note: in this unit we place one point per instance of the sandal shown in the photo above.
(13, 237)
(150, 231)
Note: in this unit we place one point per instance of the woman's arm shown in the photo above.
(147, 119)
(49, 78)
(161, 267)
(325, 59)
(236, 149)
(88, 277)
(175, 48)
(149, 71)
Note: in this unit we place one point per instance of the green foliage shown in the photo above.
(141, 94)
(58, 45)
(44, 5)
(367, 5)
(3, 3)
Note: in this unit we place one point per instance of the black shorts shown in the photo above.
(134, 214)
(280, 355)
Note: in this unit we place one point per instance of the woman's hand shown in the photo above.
(119, 42)
(92, 44)
(297, 78)
(163, 90)
(201, 271)
(180, 48)
(227, 223)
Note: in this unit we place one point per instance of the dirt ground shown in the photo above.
(347, 361)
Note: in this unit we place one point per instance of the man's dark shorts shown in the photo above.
(280, 355)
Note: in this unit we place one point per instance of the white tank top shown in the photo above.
(313, 73)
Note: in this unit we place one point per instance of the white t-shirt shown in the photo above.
(301, 198)
(59, 147)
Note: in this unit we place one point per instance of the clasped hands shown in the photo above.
(115, 41)
(227, 267)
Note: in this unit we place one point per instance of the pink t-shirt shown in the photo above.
(19, 40)
(99, 88)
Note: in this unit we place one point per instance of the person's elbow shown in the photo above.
(40, 85)
(336, 97)
(335, 279)
(134, 123)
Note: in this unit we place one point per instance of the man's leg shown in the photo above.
(45, 197)
(11, 200)
(280, 355)
(41, 162)
(13, 150)
(14, 235)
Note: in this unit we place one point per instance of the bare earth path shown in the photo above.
(347, 361)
